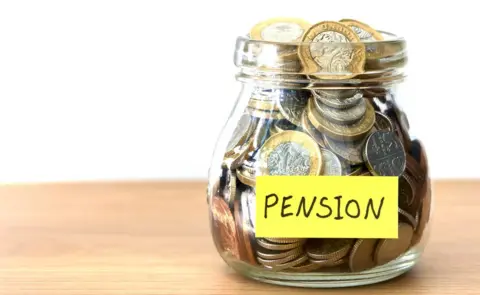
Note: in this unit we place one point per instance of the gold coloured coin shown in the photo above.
(246, 177)
(289, 264)
(342, 132)
(361, 256)
(329, 52)
(328, 249)
(280, 29)
(329, 262)
(290, 153)
(283, 240)
(278, 261)
(363, 31)
(389, 249)
(279, 247)
(263, 105)
(270, 254)
(310, 130)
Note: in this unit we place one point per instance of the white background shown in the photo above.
(93, 90)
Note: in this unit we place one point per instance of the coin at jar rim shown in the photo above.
(390, 249)
(264, 114)
(310, 130)
(279, 247)
(342, 116)
(292, 103)
(352, 132)
(335, 93)
(223, 220)
(279, 30)
(243, 233)
(338, 103)
(350, 151)
(323, 56)
(384, 154)
(328, 249)
(300, 150)
(361, 255)
(408, 218)
(363, 31)
(331, 163)
(282, 125)
(382, 122)
(271, 254)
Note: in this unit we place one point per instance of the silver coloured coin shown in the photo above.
(385, 154)
(350, 151)
(240, 131)
(342, 116)
(382, 122)
(282, 32)
(289, 158)
(362, 34)
(247, 200)
(331, 163)
(335, 93)
(292, 103)
(340, 103)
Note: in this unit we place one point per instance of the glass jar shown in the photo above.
(336, 113)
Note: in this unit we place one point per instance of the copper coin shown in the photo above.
(243, 233)
(384, 154)
(328, 249)
(280, 247)
(224, 223)
(407, 199)
(424, 215)
(361, 256)
(389, 249)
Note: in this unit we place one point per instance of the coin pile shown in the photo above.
(341, 129)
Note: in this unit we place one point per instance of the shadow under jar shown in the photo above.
(334, 112)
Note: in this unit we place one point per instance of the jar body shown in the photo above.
(264, 135)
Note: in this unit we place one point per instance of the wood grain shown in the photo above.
(153, 238)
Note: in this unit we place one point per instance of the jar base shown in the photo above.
(329, 279)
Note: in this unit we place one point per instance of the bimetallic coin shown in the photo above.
(290, 153)
(384, 154)
(279, 246)
(382, 122)
(342, 116)
(331, 163)
(350, 151)
(361, 256)
(224, 223)
(246, 177)
(352, 132)
(310, 130)
(389, 249)
(363, 31)
(330, 53)
(340, 103)
(328, 249)
(279, 30)
(292, 103)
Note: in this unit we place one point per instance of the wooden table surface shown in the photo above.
(153, 238)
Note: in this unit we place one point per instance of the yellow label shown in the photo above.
(326, 207)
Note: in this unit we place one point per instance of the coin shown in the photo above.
(329, 53)
(339, 94)
(310, 130)
(408, 218)
(328, 249)
(279, 30)
(361, 255)
(244, 231)
(363, 31)
(389, 249)
(356, 170)
(331, 163)
(225, 225)
(278, 261)
(350, 151)
(271, 254)
(260, 133)
(247, 200)
(382, 122)
(267, 114)
(352, 132)
(342, 116)
(340, 103)
(283, 240)
(282, 125)
(290, 153)
(424, 215)
(328, 263)
(307, 266)
(292, 103)
(263, 105)
(240, 133)
(230, 188)
(384, 154)
(289, 264)
(277, 246)
(245, 176)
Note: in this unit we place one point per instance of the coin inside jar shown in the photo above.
(339, 94)
(292, 103)
(224, 223)
(361, 256)
(331, 163)
(351, 151)
(389, 249)
(384, 154)
(340, 103)
(328, 249)
(382, 122)
(342, 116)
(290, 153)
(310, 130)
